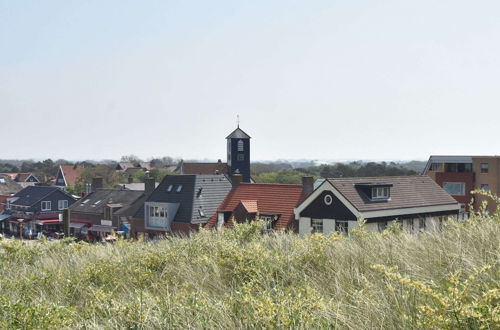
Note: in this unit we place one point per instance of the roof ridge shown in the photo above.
(271, 184)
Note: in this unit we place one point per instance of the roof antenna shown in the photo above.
(238, 116)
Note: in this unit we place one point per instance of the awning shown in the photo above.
(4, 217)
(47, 221)
(77, 225)
(102, 229)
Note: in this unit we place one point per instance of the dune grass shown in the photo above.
(240, 278)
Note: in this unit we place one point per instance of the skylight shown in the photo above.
(170, 187)
(179, 188)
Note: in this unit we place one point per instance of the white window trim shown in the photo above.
(461, 183)
(65, 205)
(49, 203)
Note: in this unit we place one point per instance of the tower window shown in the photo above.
(240, 145)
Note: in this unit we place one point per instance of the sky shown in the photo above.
(336, 80)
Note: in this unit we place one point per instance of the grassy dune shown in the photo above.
(242, 279)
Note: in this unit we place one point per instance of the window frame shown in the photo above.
(59, 204)
(316, 224)
(484, 168)
(375, 193)
(342, 227)
(485, 185)
(49, 203)
(461, 183)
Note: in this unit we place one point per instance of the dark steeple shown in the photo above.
(238, 153)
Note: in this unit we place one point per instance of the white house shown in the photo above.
(417, 202)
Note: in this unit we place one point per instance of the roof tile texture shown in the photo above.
(407, 191)
(270, 199)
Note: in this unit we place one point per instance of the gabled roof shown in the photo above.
(199, 192)
(269, 198)
(238, 134)
(22, 177)
(32, 194)
(406, 192)
(204, 168)
(250, 205)
(97, 200)
(71, 173)
(408, 195)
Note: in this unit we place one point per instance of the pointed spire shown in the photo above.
(238, 120)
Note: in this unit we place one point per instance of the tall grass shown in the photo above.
(239, 278)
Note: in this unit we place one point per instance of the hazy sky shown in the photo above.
(310, 79)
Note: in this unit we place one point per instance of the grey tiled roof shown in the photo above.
(95, 201)
(406, 191)
(214, 189)
(238, 134)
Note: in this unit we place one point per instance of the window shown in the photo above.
(328, 199)
(62, 204)
(269, 221)
(96, 203)
(382, 226)
(421, 224)
(411, 225)
(317, 225)
(170, 187)
(341, 227)
(454, 188)
(380, 193)
(46, 206)
(435, 167)
(484, 167)
(240, 145)
(220, 219)
(485, 187)
(201, 213)
(241, 157)
(179, 188)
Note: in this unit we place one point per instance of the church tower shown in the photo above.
(238, 153)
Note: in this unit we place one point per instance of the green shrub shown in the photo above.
(241, 278)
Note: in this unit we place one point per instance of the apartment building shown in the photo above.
(459, 175)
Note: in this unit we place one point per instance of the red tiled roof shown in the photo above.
(71, 173)
(250, 206)
(269, 197)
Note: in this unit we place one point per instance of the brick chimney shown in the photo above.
(307, 184)
(236, 180)
(97, 183)
(149, 185)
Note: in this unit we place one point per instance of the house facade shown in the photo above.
(273, 203)
(68, 175)
(180, 204)
(416, 202)
(459, 175)
(99, 212)
(36, 207)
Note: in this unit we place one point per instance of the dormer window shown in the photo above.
(380, 192)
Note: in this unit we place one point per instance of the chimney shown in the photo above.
(149, 185)
(130, 179)
(307, 184)
(236, 180)
(97, 183)
(219, 161)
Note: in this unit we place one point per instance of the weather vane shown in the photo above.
(238, 120)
